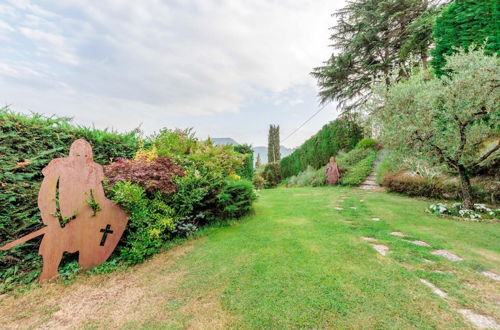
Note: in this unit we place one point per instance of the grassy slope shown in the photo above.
(298, 262)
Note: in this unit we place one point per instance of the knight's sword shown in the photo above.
(24, 239)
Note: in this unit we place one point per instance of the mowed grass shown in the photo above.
(300, 263)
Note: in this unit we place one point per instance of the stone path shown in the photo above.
(434, 288)
(480, 321)
(370, 182)
(491, 275)
(382, 249)
(446, 254)
(419, 243)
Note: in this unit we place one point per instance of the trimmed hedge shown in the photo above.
(438, 188)
(340, 134)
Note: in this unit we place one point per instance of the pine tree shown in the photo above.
(367, 40)
(463, 23)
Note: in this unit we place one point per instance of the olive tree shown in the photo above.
(453, 120)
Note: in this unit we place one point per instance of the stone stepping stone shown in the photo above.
(419, 243)
(382, 249)
(434, 288)
(375, 219)
(446, 254)
(353, 207)
(361, 200)
(398, 233)
(369, 239)
(480, 321)
(491, 275)
(339, 208)
(429, 261)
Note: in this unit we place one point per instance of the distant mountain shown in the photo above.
(226, 141)
(262, 151)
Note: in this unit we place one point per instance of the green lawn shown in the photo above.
(299, 263)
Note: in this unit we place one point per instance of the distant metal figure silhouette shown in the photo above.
(332, 172)
(77, 214)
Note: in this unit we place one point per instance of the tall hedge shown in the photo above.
(27, 145)
(463, 23)
(340, 134)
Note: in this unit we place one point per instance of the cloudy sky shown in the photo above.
(228, 68)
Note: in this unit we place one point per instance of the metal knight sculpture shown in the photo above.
(77, 214)
(332, 172)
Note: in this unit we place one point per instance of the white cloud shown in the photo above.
(158, 58)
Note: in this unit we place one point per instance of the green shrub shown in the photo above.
(367, 143)
(309, 177)
(352, 158)
(150, 222)
(355, 174)
(235, 198)
(271, 175)
(439, 188)
(246, 171)
(391, 162)
(337, 135)
(187, 151)
(258, 181)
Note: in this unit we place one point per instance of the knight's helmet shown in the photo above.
(81, 150)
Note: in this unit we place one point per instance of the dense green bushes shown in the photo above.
(309, 177)
(337, 135)
(439, 188)
(367, 143)
(355, 166)
(170, 188)
(246, 171)
(271, 175)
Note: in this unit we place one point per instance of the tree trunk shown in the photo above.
(466, 188)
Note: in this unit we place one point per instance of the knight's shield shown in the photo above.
(100, 233)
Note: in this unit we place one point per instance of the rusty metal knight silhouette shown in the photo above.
(72, 192)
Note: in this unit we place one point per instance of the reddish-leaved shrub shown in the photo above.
(154, 175)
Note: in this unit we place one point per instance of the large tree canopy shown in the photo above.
(367, 42)
(452, 121)
(463, 23)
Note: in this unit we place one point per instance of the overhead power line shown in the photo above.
(302, 125)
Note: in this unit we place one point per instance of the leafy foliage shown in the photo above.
(235, 198)
(337, 135)
(368, 39)
(246, 171)
(150, 221)
(271, 175)
(154, 175)
(367, 143)
(462, 24)
(437, 187)
(448, 121)
(356, 165)
(309, 177)
(184, 149)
